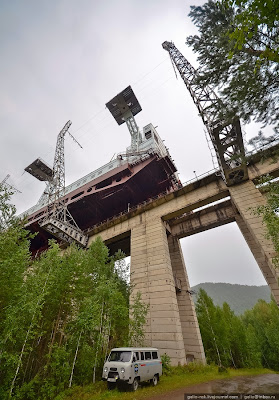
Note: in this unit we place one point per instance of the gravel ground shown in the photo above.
(267, 385)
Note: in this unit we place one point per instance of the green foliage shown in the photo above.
(166, 364)
(250, 340)
(239, 56)
(192, 368)
(263, 321)
(211, 326)
(138, 311)
(255, 22)
(7, 210)
(60, 314)
(14, 253)
(259, 141)
(269, 212)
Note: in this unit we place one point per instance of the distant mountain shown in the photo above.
(239, 297)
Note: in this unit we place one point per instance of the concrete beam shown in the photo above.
(119, 242)
(202, 220)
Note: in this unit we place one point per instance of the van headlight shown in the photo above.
(122, 370)
(106, 369)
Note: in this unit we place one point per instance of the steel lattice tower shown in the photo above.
(58, 221)
(226, 136)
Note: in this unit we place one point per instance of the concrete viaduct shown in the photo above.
(150, 234)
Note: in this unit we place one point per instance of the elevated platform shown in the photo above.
(112, 189)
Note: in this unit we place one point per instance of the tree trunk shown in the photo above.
(74, 362)
(98, 342)
(55, 330)
(27, 336)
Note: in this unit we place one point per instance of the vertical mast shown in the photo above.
(56, 186)
(226, 136)
(58, 220)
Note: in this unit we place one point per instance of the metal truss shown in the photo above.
(58, 221)
(62, 225)
(226, 136)
(4, 183)
(57, 184)
(134, 131)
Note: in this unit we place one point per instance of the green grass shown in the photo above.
(178, 377)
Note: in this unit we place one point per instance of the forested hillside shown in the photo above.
(248, 340)
(239, 297)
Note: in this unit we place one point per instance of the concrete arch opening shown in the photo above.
(153, 231)
(220, 255)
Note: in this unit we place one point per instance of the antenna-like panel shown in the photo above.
(123, 108)
(40, 170)
(123, 105)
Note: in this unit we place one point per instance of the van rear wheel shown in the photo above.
(154, 380)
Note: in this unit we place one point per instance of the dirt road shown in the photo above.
(261, 385)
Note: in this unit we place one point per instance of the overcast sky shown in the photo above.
(63, 60)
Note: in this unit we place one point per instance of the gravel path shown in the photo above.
(267, 384)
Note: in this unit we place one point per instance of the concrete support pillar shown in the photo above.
(190, 328)
(247, 197)
(151, 274)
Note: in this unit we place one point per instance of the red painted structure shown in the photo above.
(110, 194)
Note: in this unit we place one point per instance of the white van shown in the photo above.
(132, 365)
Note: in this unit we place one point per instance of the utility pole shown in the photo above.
(226, 135)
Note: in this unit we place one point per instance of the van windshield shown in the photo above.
(123, 356)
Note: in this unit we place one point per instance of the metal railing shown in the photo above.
(150, 200)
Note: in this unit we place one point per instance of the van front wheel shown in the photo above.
(111, 385)
(154, 380)
(135, 385)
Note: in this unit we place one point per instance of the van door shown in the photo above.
(134, 367)
(148, 365)
(142, 366)
(156, 363)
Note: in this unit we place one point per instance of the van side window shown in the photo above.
(154, 355)
(148, 355)
(137, 355)
(141, 355)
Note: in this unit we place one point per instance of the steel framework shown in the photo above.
(226, 136)
(6, 184)
(58, 221)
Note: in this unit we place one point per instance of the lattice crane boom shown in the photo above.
(58, 220)
(7, 185)
(57, 183)
(5, 179)
(225, 135)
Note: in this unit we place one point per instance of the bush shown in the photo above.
(166, 364)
